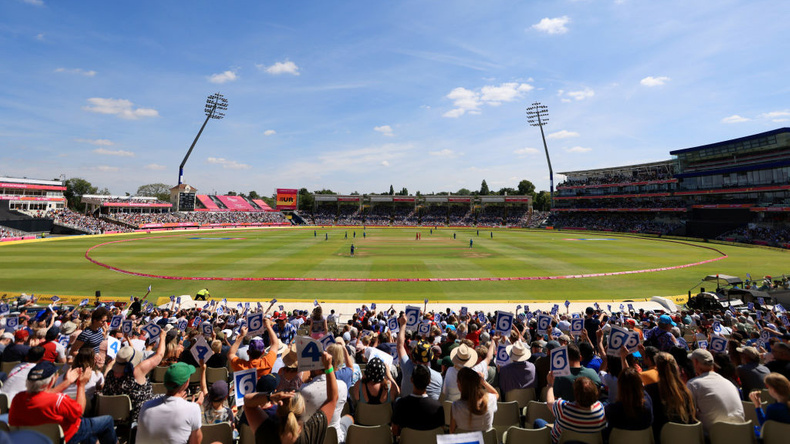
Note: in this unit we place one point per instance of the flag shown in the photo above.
(315, 302)
(149, 288)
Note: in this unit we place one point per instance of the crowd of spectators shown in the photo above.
(626, 223)
(85, 223)
(6, 232)
(628, 202)
(677, 370)
(461, 215)
(768, 235)
(491, 215)
(199, 217)
(642, 175)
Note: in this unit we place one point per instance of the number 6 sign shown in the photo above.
(717, 344)
(502, 356)
(245, 382)
(617, 339)
(12, 323)
(206, 328)
(412, 317)
(255, 324)
(115, 323)
(577, 325)
(308, 352)
(504, 322)
(544, 323)
(127, 326)
(424, 328)
(560, 365)
(392, 324)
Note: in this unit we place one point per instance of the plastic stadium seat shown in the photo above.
(506, 416)
(331, 436)
(411, 436)
(374, 414)
(749, 413)
(359, 434)
(7, 366)
(216, 374)
(732, 433)
(774, 432)
(52, 431)
(675, 433)
(4, 404)
(158, 388)
(537, 410)
(621, 436)
(489, 436)
(217, 433)
(158, 374)
(117, 406)
(522, 396)
(245, 434)
(589, 438)
(448, 412)
(517, 435)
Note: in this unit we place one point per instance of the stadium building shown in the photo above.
(732, 189)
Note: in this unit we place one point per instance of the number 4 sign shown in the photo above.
(201, 350)
(308, 352)
(113, 345)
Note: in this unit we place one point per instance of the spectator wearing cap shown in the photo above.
(563, 385)
(128, 375)
(215, 406)
(520, 373)
(38, 405)
(285, 330)
(291, 422)
(171, 418)
(54, 352)
(314, 392)
(751, 373)
(421, 355)
(661, 335)
(716, 398)
(17, 351)
(5, 339)
(417, 411)
(263, 362)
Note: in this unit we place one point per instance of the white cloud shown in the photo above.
(552, 25)
(521, 152)
(34, 2)
(223, 77)
(385, 163)
(578, 149)
(443, 153)
(40, 37)
(468, 101)
(97, 142)
(776, 116)
(119, 107)
(286, 67)
(154, 166)
(651, 81)
(734, 119)
(385, 130)
(581, 95)
(79, 71)
(106, 168)
(564, 134)
(228, 164)
(269, 132)
(119, 153)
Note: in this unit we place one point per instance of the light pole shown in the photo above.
(215, 105)
(538, 115)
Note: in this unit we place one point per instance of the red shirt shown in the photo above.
(474, 337)
(46, 408)
(50, 351)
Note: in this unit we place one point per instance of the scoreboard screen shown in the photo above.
(186, 201)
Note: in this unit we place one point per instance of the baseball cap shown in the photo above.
(266, 384)
(42, 370)
(178, 374)
(7, 335)
(665, 319)
(751, 352)
(702, 356)
(218, 391)
(551, 345)
(52, 334)
(422, 352)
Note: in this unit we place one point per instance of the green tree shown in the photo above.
(392, 191)
(76, 187)
(463, 192)
(160, 191)
(508, 191)
(526, 188)
(104, 191)
(542, 201)
(403, 192)
(254, 195)
(230, 193)
(306, 200)
(484, 191)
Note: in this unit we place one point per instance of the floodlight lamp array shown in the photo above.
(215, 105)
(537, 114)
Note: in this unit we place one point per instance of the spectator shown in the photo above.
(584, 415)
(781, 362)
(87, 361)
(461, 356)
(564, 385)
(661, 336)
(38, 405)
(475, 409)
(54, 352)
(520, 373)
(751, 373)
(634, 408)
(171, 418)
(649, 373)
(285, 331)
(421, 355)
(94, 334)
(17, 351)
(672, 400)
(715, 398)
(17, 377)
(314, 396)
(779, 389)
(417, 411)
(377, 386)
(288, 428)
(317, 323)
(258, 360)
(5, 339)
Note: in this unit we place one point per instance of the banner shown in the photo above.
(286, 198)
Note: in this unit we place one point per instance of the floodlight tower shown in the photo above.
(216, 104)
(538, 115)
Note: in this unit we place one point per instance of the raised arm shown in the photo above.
(145, 366)
(402, 337)
(237, 343)
(274, 340)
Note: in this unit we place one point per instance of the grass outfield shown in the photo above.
(61, 267)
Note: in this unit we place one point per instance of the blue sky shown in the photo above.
(358, 95)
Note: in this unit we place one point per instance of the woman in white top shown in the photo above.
(475, 410)
(85, 359)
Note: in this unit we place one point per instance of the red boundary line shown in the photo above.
(304, 279)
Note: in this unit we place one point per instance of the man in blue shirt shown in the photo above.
(284, 330)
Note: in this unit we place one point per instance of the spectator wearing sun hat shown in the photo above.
(520, 373)
(421, 355)
(461, 356)
(171, 418)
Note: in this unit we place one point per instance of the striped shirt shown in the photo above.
(92, 339)
(569, 416)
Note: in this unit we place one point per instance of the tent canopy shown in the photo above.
(730, 280)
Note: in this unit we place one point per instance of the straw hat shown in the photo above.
(518, 352)
(464, 356)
